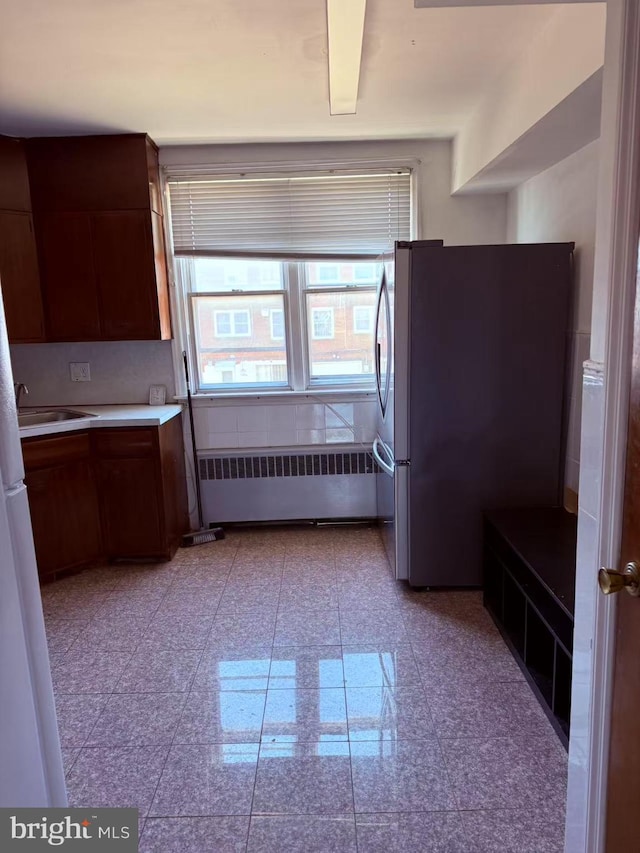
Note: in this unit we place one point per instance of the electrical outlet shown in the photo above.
(157, 395)
(80, 371)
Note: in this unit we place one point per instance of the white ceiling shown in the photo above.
(246, 70)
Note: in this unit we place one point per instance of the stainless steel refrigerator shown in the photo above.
(471, 364)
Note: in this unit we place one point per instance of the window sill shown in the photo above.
(335, 395)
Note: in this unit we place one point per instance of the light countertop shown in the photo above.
(102, 416)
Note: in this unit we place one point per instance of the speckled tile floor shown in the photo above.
(278, 691)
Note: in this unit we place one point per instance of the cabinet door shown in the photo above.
(129, 505)
(124, 264)
(64, 516)
(69, 283)
(19, 279)
(14, 176)
(176, 511)
(105, 172)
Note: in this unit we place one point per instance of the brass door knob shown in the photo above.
(611, 580)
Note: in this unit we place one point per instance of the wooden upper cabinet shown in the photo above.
(68, 277)
(14, 178)
(153, 177)
(123, 261)
(92, 172)
(19, 278)
(98, 214)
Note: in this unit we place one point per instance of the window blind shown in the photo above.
(324, 214)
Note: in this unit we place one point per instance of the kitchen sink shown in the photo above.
(27, 419)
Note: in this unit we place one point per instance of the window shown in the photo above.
(365, 273)
(362, 319)
(322, 324)
(235, 306)
(277, 324)
(232, 324)
(275, 293)
(328, 273)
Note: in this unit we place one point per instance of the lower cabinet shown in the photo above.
(142, 488)
(117, 493)
(63, 501)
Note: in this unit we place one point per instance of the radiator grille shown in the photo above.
(289, 465)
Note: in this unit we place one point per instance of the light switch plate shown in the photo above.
(157, 395)
(80, 371)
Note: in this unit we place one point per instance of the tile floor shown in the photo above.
(278, 691)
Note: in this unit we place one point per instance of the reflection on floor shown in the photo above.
(279, 691)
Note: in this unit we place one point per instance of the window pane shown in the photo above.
(234, 341)
(223, 323)
(363, 319)
(277, 324)
(224, 275)
(348, 351)
(342, 274)
(322, 323)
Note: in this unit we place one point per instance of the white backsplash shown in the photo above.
(121, 372)
(284, 424)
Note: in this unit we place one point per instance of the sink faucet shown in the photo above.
(19, 388)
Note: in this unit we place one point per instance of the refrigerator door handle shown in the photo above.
(383, 463)
(382, 302)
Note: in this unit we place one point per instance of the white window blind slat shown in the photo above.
(320, 214)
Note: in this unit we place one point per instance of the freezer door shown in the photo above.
(385, 499)
(392, 492)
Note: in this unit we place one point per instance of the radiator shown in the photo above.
(284, 486)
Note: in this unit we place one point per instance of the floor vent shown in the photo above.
(298, 465)
(287, 486)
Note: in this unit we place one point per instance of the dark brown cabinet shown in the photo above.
(19, 277)
(63, 501)
(129, 508)
(141, 480)
(105, 172)
(125, 274)
(70, 295)
(118, 493)
(98, 218)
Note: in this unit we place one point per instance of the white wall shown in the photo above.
(306, 421)
(560, 205)
(302, 421)
(558, 60)
(474, 219)
(121, 372)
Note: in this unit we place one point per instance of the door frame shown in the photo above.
(604, 427)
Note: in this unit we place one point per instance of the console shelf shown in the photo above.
(529, 588)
